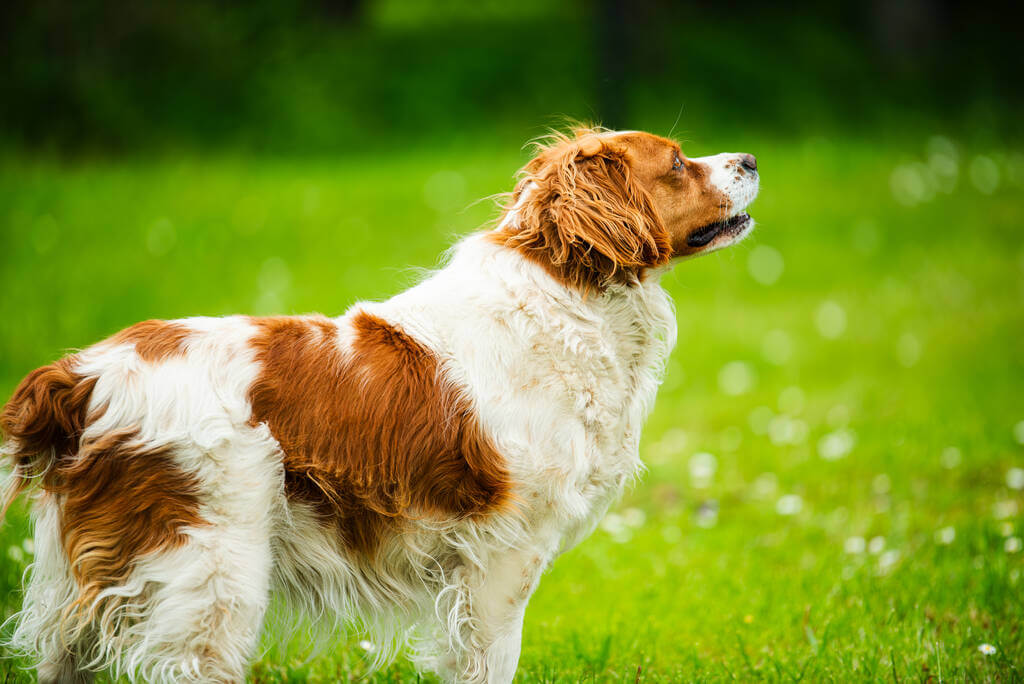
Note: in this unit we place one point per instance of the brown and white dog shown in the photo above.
(413, 465)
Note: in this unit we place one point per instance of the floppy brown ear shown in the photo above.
(580, 212)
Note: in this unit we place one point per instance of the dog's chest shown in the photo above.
(592, 376)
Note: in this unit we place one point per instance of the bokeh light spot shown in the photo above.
(830, 319)
(765, 264)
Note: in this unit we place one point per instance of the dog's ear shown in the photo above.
(579, 209)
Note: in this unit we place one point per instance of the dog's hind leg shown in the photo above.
(204, 611)
(161, 565)
(206, 599)
(42, 631)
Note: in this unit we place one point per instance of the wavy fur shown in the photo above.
(408, 469)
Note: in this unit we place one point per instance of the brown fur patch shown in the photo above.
(48, 410)
(372, 435)
(685, 199)
(118, 498)
(601, 208)
(155, 340)
(586, 218)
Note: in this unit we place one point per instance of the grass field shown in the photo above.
(835, 461)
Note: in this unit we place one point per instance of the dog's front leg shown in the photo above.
(499, 604)
(481, 614)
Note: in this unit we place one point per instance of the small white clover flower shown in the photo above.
(790, 504)
(951, 457)
(1018, 432)
(1004, 509)
(876, 545)
(707, 514)
(1012, 544)
(634, 517)
(888, 560)
(855, 545)
(835, 445)
(1015, 478)
(702, 469)
(367, 646)
(987, 649)
(945, 536)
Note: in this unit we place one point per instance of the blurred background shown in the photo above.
(837, 455)
(330, 77)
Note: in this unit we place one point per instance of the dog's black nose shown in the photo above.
(749, 162)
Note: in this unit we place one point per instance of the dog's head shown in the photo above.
(601, 206)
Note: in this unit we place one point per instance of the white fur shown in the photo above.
(562, 384)
(739, 185)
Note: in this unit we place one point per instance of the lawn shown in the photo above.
(835, 487)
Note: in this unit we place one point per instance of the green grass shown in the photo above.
(697, 576)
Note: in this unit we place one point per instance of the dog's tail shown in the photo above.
(42, 423)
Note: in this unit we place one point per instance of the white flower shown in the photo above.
(854, 545)
(634, 517)
(672, 442)
(777, 348)
(908, 350)
(830, 319)
(1004, 509)
(911, 184)
(951, 457)
(367, 646)
(790, 504)
(760, 420)
(786, 430)
(836, 445)
(702, 469)
(613, 524)
(945, 536)
(876, 545)
(1015, 478)
(1012, 544)
(736, 377)
(707, 514)
(987, 649)
(887, 560)
(765, 264)
(984, 173)
(765, 485)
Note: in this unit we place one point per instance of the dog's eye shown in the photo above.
(677, 163)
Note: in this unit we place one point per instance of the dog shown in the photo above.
(413, 465)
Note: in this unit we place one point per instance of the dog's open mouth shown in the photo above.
(730, 226)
